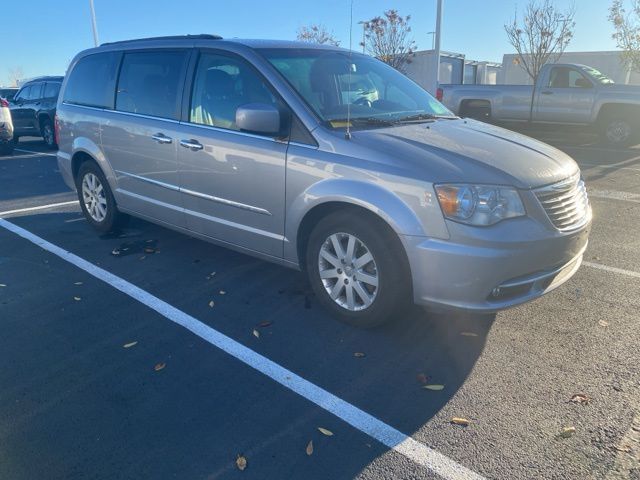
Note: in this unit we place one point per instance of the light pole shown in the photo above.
(433, 39)
(93, 23)
(363, 23)
(436, 53)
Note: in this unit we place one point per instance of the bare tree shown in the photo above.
(541, 36)
(627, 34)
(388, 39)
(317, 34)
(15, 75)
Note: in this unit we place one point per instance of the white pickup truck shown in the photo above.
(566, 94)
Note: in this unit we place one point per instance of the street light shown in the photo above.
(93, 23)
(363, 23)
(433, 39)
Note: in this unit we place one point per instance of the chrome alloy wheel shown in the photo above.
(348, 271)
(93, 197)
(618, 131)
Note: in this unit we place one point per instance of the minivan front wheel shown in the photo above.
(96, 199)
(355, 271)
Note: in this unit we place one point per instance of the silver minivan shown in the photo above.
(324, 160)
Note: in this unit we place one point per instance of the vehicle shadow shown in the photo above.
(383, 371)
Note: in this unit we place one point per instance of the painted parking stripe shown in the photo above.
(607, 268)
(39, 207)
(33, 151)
(359, 419)
(613, 195)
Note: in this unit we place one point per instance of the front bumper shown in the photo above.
(487, 270)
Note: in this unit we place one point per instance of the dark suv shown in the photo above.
(33, 109)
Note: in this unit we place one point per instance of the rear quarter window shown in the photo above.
(92, 82)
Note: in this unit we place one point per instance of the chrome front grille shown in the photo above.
(565, 202)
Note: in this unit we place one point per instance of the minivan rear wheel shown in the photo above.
(355, 271)
(96, 199)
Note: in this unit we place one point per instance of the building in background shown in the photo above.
(609, 63)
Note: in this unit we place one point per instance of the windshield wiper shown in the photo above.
(364, 121)
(421, 117)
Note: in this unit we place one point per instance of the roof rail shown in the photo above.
(201, 36)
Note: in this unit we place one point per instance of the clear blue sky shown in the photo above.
(54, 31)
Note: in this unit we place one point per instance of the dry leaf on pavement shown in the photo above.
(211, 303)
(159, 366)
(359, 355)
(256, 333)
(222, 292)
(326, 432)
(309, 449)
(580, 398)
(460, 421)
(422, 378)
(265, 324)
(603, 323)
(129, 345)
(77, 299)
(567, 432)
(241, 462)
(78, 283)
(435, 388)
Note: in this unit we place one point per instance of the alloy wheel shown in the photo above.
(348, 271)
(618, 131)
(94, 198)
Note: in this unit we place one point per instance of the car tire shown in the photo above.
(360, 294)
(96, 199)
(48, 133)
(618, 130)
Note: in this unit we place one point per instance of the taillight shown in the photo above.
(56, 129)
(439, 94)
(4, 103)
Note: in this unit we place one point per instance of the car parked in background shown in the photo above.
(566, 94)
(33, 109)
(324, 160)
(6, 128)
(8, 92)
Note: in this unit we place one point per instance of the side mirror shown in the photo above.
(258, 118)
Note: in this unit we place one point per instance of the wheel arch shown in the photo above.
(86, 150)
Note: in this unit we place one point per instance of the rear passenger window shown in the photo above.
(34, 92)
(149, 83)
(51, 90)
(92, 81)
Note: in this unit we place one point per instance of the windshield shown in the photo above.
(598, 76)
(332, 81)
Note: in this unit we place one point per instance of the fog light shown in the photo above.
(496, 292)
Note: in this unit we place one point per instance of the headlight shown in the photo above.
(479, 204)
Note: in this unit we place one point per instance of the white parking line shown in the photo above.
(39, 207)
(607, 268)
(366, 423)
(33, 151)
(613, 195)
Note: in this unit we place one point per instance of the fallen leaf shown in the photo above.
(434, 387)
(222, 292)
(460, 421)
(309, 449)
(115, 251)
(78, 283)
(150, 241)
(2, 285)
(580, 398)
(211, 275)
(256, 333)
(241, 462)
(623, 448)
(422, 378)
(142, 257)
(77, 299)
(468, 334)
(159, 366)
(359, 355)
(603, 323)
(265, 324)
(149, 250)
(129, 345)
(567, 432)
(211, 303)
(326, 432)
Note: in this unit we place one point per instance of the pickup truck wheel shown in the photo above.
(46, 130)
(354, 272)
(618, 131)
(96, 199)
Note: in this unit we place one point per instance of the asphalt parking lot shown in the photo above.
(154, 355)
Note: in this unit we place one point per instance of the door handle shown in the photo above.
(161, 138)
(192, 145)
(546, 92)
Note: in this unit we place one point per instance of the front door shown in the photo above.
(23, 110)
(567, 97)
(140, 137)
(233, 182)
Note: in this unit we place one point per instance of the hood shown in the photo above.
(467, 151)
